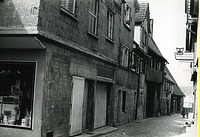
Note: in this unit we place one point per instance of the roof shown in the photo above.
(168, 75)
(177, 91)
(141, 14)
(153, 47)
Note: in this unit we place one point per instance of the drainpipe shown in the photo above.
(138, 92)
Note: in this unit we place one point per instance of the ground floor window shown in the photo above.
(16, 93)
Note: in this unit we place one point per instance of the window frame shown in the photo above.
(94, 15)
(138, 65)
(34, 67)
(64, 6)
(141, 65)
(127, 12)
(125, 56)
(144, 37)
(133, 61)
(110, 25)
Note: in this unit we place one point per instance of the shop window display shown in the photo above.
(16, 93)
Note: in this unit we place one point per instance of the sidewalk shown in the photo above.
(164, 126)
(99, 132)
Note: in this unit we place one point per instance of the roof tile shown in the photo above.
(141, 15)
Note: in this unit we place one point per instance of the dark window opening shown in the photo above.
(124, 101)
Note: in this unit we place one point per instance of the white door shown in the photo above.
(100, 105)
(77, 105)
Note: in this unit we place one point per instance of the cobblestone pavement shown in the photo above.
(164, 126)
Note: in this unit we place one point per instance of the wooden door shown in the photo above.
(77, 105)
(119, 104)
(100, 105)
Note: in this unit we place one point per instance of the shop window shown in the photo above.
(93, 16)
(16, 93)
(124, 101)
(110, 19)
(68, 5)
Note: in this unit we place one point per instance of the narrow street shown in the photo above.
(164, 126)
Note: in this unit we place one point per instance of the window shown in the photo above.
(144, 37)
(159, 66)
(138, 64)
(69, 5)
(16, 93)
(141, 65)
(124, 56)
(155, 62)
(124, 101)
(127, 15)
(93, 16)
(133, 61)
(149, 62)
(110, 19)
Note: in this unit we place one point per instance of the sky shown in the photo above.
(169, 32)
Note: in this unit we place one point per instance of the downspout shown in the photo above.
(138, 92)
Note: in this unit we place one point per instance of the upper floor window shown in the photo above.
(69, 5)
(93, 16)
(141, 65)
(110, 19)
(133, 61)
(159, 66)
(124, 56)
(144, 37)
(127, 14)
(138, 64)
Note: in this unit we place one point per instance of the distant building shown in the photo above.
(168, 88)
(155, 77)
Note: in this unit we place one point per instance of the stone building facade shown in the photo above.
(70, 61)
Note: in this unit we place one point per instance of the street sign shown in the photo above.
(184, 56)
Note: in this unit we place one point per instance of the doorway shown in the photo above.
(100, 105)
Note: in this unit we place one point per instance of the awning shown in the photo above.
(20, 42)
